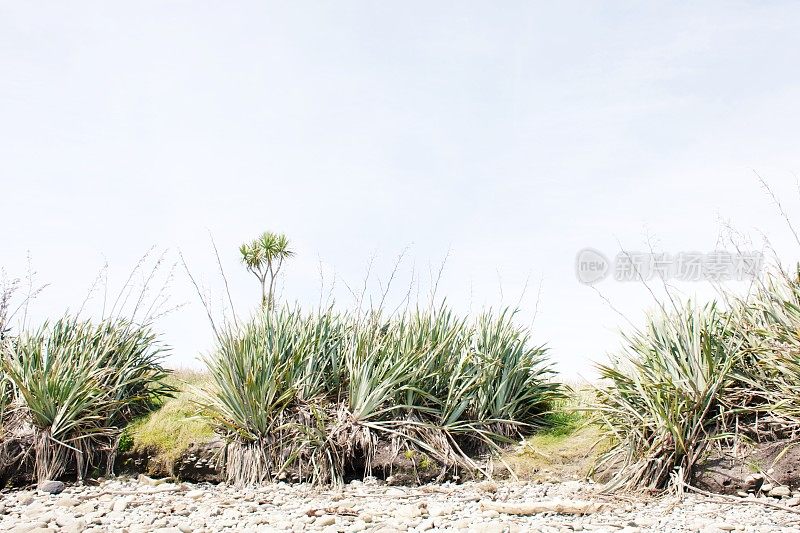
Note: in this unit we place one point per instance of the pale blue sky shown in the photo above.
(512, 134)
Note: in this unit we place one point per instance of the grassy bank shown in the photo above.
(319, 394)
(566, 446)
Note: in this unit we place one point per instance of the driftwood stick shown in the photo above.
(572, 507)
(735, 499)
(128, 492)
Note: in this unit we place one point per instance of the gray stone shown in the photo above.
(77, 526)
(326, 520)
(439, 510)
(66, 501)
(147, 480)
(781, 491)
(51, 487)
(120, 505)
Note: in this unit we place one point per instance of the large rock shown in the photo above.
(781, 491)
(51, 487)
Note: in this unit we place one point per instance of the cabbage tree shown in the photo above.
(264, 257)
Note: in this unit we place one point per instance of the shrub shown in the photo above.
(78, 383)
(701, 375)
(768, 324)
(665, 397)
(316, 392)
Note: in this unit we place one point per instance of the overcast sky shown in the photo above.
(512, 135)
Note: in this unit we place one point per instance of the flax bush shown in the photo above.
(77, 383)
(316, 392)
(699, 376)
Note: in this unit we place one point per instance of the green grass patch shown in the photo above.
(170, 430)
(561, 424)
(566, 447)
